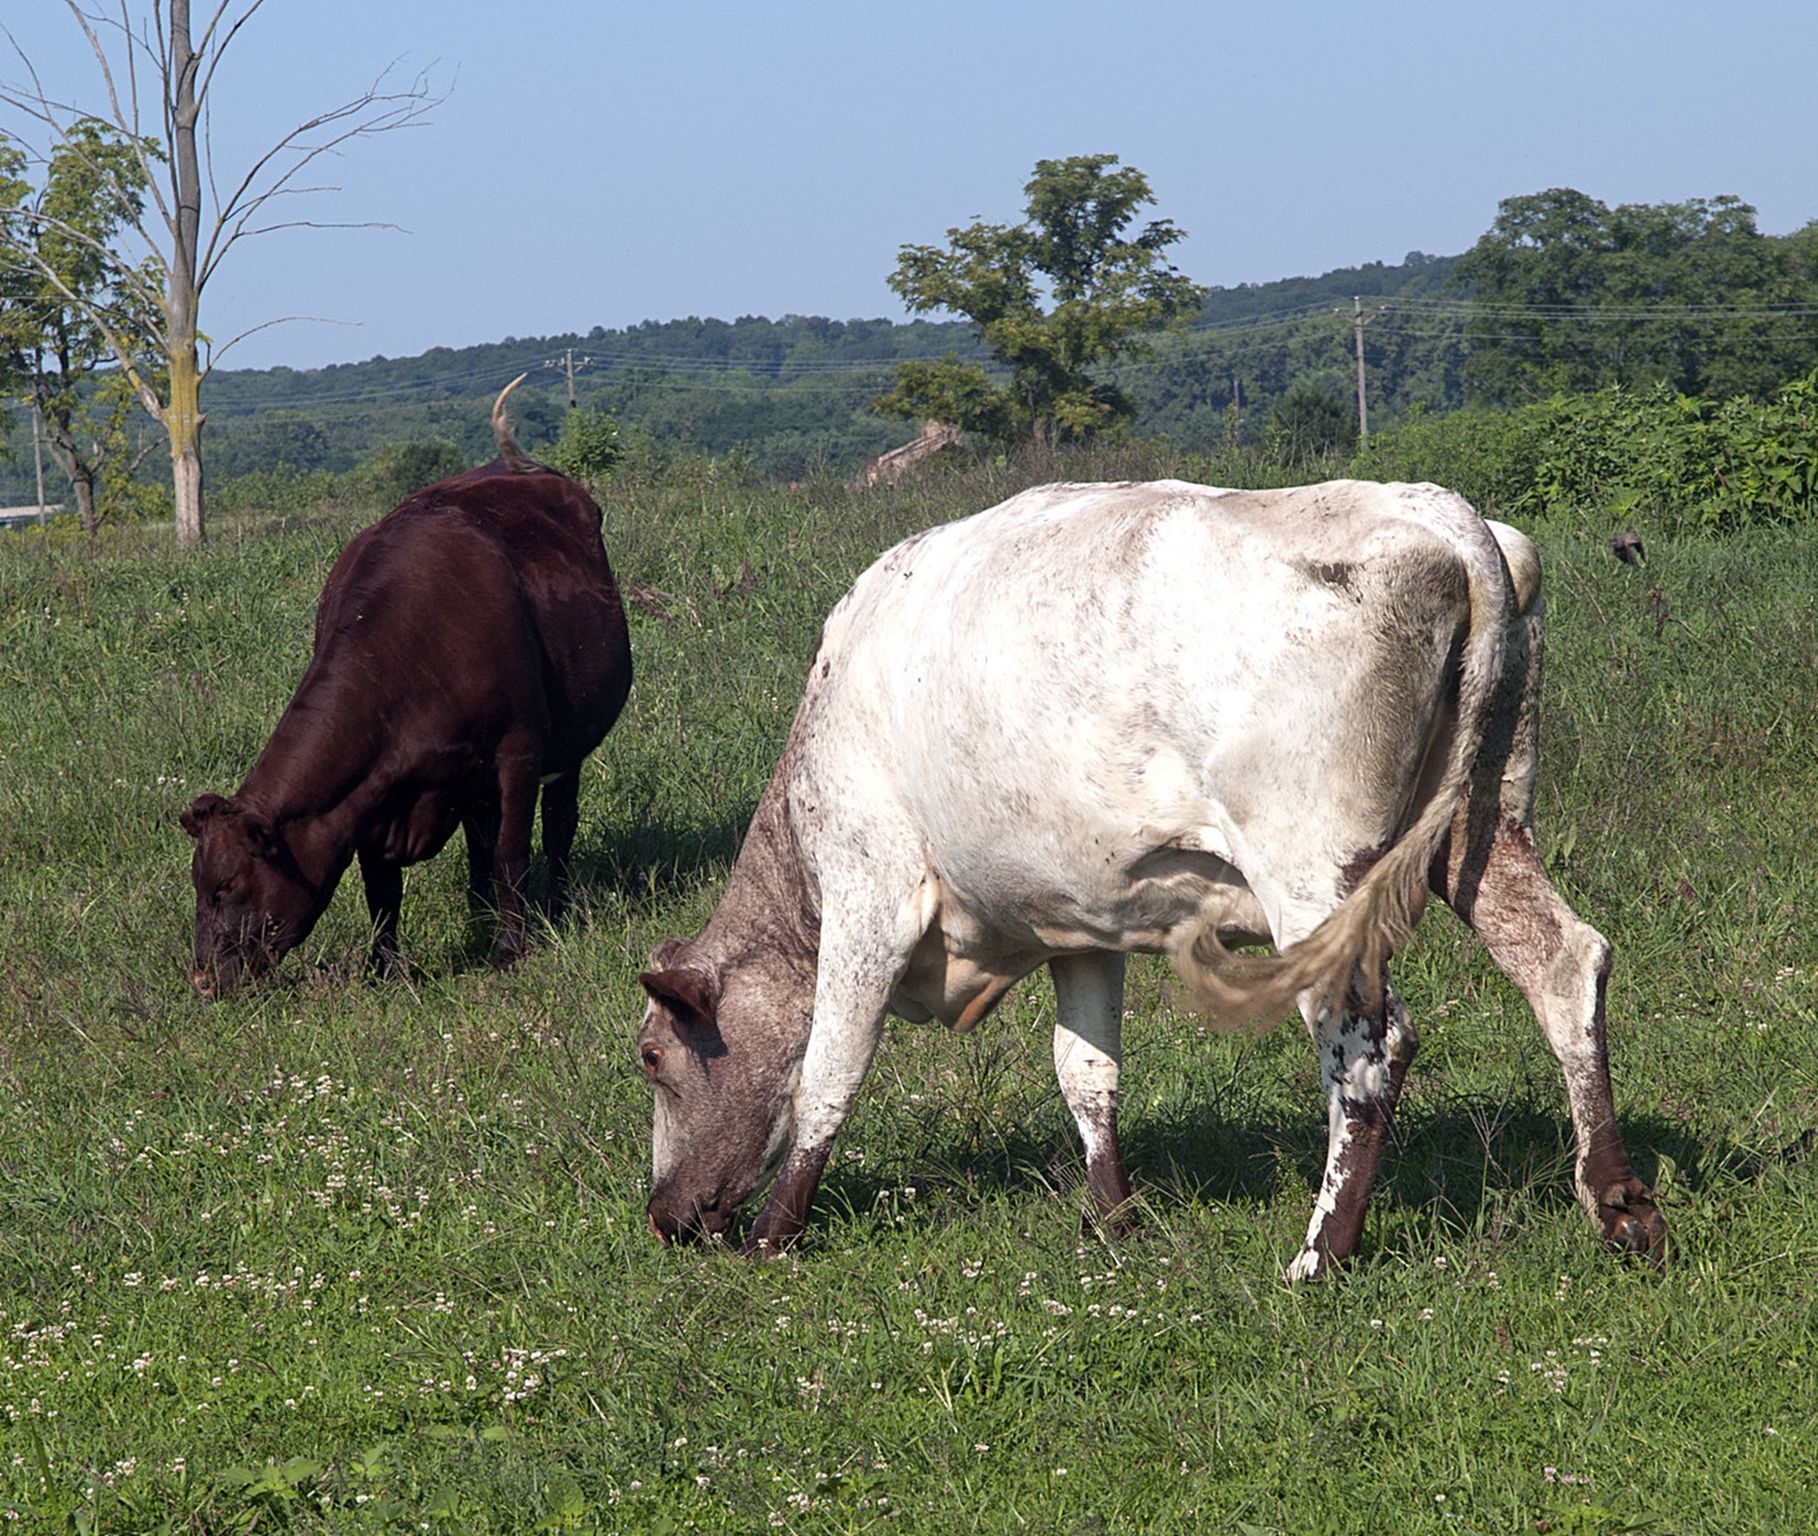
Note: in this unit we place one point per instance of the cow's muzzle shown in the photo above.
(691, 1223)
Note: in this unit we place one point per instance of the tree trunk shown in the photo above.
(184, 423)
(85, 505)
(183, 416)
(60, 437)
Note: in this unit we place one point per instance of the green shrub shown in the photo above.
(1657, 455)
(588, 447)
(1489, 457)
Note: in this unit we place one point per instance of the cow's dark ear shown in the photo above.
(262, 836)
(196, 817)
(692, 996)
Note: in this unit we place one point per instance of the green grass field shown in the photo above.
(340, 1256)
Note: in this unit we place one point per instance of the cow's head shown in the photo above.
(722, 1046)
(253, 905)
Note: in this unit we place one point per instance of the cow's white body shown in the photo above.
(1095, 717)
(1100, 719)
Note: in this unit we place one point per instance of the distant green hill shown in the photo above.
(795, 393)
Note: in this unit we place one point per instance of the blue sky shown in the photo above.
(603, 163)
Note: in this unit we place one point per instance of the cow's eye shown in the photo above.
(653, 1060)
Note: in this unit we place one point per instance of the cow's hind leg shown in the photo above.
(561, 816)
(511, 854)
(1561, 964)
(1088, 1050)
(1363, 1057)
(384, 883)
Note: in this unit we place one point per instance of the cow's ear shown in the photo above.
(664, 955)
(261, 835)
(692, 996)
(196, 817)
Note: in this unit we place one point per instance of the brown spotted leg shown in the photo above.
(1561, 964)
(1363, 1058)
(785, 1214)
(870, 924)
(1088, 1050)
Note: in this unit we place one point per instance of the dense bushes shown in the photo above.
(1669, 457)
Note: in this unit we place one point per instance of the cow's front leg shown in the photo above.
(1363, 1058)
(384, 882)
(480, 827)
(865, 948)
(1088, 1050)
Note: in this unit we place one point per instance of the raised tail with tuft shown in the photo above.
(509, 450)
(1348, 950)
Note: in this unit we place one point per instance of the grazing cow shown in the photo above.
(1135, 717)
(470, 647)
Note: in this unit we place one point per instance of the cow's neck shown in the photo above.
(317, 778)
(768, 908)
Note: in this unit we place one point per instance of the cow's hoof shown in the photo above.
(1630, 1222)
(761, 1248)
(1309, 1264)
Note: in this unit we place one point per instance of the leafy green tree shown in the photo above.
(120, 495)
(1573, 296)
(283, 442)
(1055, 298)
(66, 306)
(14, 190)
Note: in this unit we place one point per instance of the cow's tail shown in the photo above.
(509, 450)
(1346, 953)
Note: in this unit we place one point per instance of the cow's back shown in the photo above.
(1071, 600)
(481, 601)
(1158, 658)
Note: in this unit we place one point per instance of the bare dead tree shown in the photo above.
(156, 75)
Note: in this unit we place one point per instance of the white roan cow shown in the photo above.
(1135, 717)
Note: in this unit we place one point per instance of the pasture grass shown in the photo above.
(348, 1256)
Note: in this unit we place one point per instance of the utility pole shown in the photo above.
(38, 458)
(1358, 321)
(570, 365)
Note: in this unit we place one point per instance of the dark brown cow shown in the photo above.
(470, 647)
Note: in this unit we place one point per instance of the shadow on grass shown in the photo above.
(652, 860)
(1459, 1164)
(645, 864)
